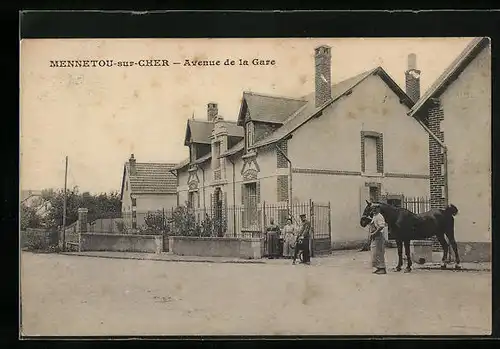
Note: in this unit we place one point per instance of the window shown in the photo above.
(370, 154)
(134, 202)
(193, 199)
(374, 194)
(250, 200)
(126, 185)
(249, 134)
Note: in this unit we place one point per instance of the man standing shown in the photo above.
(379, 236)
(303, 241)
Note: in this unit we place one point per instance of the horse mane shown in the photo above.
(386, 204)
(451, 209)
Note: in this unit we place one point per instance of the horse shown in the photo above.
(405, 226)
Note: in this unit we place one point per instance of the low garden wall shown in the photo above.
(121, 242)
(250, 248)
(39, 240)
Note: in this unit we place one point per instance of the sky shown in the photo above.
(98, 116)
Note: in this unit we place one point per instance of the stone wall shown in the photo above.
(121, 242)
(216, 247)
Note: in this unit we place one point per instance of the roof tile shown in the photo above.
(154, 178)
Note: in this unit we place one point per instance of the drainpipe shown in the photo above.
(174, 172)
(445, 157)
(234, 197)
(290, 174)
(203, 176)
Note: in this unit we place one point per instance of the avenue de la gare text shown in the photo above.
(160, 63)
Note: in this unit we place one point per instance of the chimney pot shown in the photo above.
(412, 61)
(212, 111)
(323, 75)
(133, 169)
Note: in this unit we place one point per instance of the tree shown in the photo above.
(99, 205)
(29, 217)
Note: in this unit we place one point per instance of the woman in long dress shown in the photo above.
(273, 235)
(288, 239)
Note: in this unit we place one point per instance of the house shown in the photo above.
(34, 199)
(456, 113)
(147, 187)
(339, 145)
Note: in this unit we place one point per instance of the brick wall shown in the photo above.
(436, 155)
(282, 188)
(280, 159)
(323, 74)
(412, 85)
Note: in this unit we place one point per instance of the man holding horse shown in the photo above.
(378, 237)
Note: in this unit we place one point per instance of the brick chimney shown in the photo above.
(412, 78)
(131, 162)
(323, 75)
(212, 111)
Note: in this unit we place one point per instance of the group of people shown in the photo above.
(292, 240)
(289, 241)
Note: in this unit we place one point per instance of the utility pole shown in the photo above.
(64, 207)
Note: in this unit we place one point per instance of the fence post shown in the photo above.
(311, 215)
(82, 224)
(263, 216)
(330, 223)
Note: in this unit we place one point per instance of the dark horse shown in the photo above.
(405, 226)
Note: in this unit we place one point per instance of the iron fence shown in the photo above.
(417, 204)
(135, 222)
(252, 220)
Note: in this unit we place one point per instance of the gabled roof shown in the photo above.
(268, 108)
(451, 72)
(186, 162)
(181, 164)
(200, 131)
(151, 178)
(308, 110)
(26, 194)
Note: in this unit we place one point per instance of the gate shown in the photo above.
(317, 213)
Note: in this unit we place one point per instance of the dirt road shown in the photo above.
(71, 295)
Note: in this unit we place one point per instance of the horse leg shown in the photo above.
(444, 245)
(408, 256)
(454, 246)
(399, 244)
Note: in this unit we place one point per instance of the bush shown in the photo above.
(121, 227)
(185, 224)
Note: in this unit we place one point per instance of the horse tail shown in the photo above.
(451, 209)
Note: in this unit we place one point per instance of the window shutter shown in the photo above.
(257, 191)
(211, 203)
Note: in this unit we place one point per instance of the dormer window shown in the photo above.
(192, 151)
(249, 134)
